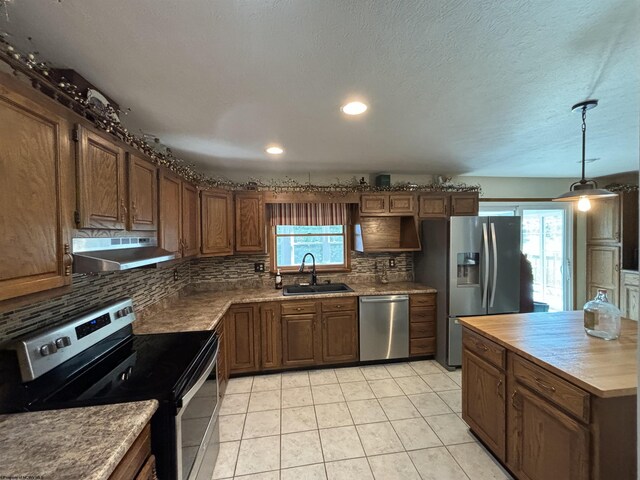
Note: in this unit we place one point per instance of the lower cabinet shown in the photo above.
(339, 331)
(138, 463)
(222, 369)
(242, 339)
(630, 295)
(270, 336)
(301, 345)
(422, 326)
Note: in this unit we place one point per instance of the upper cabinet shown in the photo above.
(216, 209)
(190, 220)
(444, 205)
(250, 223)
(603, 221)
(179, 215)
(102, 195)
(382, 204)
(36, 194)
(143, 194)
(464, 204)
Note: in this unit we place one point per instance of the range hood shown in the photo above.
(93, 255)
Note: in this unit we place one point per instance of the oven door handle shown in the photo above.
(186, 398)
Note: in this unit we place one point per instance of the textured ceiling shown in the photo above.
(454, 87)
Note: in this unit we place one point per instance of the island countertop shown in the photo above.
(73, 443)
(557, 341)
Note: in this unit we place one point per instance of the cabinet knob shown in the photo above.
(544, 385)
(514, 399)
(498, 389)
(67, 260)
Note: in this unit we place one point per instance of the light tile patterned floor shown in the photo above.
(383, 422)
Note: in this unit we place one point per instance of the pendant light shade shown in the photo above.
(584, 190)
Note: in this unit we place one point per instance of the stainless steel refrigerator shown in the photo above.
(474, 263)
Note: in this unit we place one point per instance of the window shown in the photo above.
(327, 243)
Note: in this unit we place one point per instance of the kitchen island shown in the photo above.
(548, 400)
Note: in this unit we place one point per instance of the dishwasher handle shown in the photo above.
(384, 299)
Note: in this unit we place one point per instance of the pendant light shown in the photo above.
(584, 190)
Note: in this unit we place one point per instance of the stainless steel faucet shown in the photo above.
(314, 277)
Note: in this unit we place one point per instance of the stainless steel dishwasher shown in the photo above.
(384, 327)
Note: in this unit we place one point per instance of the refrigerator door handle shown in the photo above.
(485, 253)
(494, 242)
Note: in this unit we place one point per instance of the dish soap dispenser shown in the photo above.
(601, 318)
(278, 280)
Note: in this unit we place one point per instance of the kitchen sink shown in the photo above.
(288, 290)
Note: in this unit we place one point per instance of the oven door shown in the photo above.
(196, 422)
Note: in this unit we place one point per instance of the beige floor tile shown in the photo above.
(353, 469)
(268, 400)
(236, 403)
(456, 376)
(239, 385)
(375, 372)
(258, 455)
(397, 408)
(302, 448)
(262, 424)
(326, 394)
(476, 462)
(425, 367)
(450, 429)
(340, 443)
(453, 398)
(385, 388)
(398, 370)
(298, 419)
(333, 415)
(413, 385)
(379, 438)
(295, 379)
(231, 427)
(429, 404)
(394, 466)
(322, 377)
(349, 374)
(263, 383)
(366, 411)
(308, 472)
(437, 464)
(296, 397)
(415, 434)
(226, 461)
(357, 391)
(439, 382)
(274, 475)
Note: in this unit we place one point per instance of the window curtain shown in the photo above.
(308, 214)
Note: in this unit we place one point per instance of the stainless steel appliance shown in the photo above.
(95, 359)
(474, 263)
(92, 254)
(384, 327)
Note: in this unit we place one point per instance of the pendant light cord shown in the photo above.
(584, 140)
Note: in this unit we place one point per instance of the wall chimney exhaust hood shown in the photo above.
(93, 255)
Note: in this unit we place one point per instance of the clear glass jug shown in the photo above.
(601, 318)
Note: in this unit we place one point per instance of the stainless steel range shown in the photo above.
(95, 359)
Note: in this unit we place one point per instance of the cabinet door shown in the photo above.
(190, 218)
(143, 194)
(250, 226)
(630, 296)
(402, 203)
(339, 337)
(217, 223)
(170, 204)
(603, 271)
(603, 221)
(543, 442)
(374, 203)
(102, 196)
(241, 337)
(270, 336)
(464, 204)
(300, 340)
(35, 154)
(434, 206)
(483, 403)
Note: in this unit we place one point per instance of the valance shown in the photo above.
(308, 214)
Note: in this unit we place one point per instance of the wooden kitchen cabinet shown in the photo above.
(190, 220)
(138, 463)
(464, 204)
(630, 295)
(603, 271)
(143, 194)
(387, 204)
(301, 342)
(216, 208)
(339, 330)
(101, 182)
(222, 368)
(603, 221)
(422, 324)
(270, 336)
(250, 233)
(36, 192)
(242, 338)
(444, 205)
(170, 205)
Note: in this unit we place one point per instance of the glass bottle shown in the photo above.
(601, 318)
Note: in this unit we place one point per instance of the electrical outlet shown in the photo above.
(258, 267)
(176, 277)
(392, 263)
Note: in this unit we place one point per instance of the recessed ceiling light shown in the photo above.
(354, 108)
(274, 150)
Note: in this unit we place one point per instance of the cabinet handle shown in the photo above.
(134, 211)
(298, 308)
(482, 346)
(514, 399)
(616, 267)
(123, 211)
(67, 260)
(618, 236)
(544, 385)
(498, 392)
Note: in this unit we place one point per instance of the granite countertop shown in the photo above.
(73, 443)
(203, 310)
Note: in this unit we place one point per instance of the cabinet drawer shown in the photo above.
(339, 304)
(422, 314)
(423, 329)
(422, 346)
(295, 308)
(573, 399)
(422, 300)
(484, 348)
